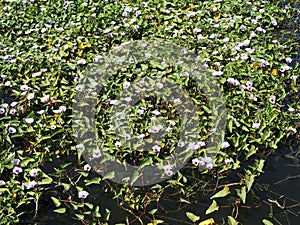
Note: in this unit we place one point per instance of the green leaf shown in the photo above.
(95, 180)
(153, 211)
(221, 193)
(80, 216)
(46, 179)
(267, 222)
(134, 177)
(213, 207)
(261, 165)
(56, 202)
(242, 193)
(192, 216)
(71, 65)
(109, 175)
(66, 186)
(249, 179)
(96, 212)
(230, 125)
(232, 221)
(60, 210)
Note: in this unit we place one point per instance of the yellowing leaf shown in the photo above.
(209, 221)
(213, 207)
(221, 193)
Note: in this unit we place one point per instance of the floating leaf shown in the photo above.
(221, 193)
(267, 222)
(109, 175)
(209, 221)
(192, 216)
(56, 201)
(60, 210)
(213, 207)
(232, 221)
(242, 194)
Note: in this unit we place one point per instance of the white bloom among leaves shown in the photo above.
(17, 170)
(225, 144)
(83, 194)
(33, 172)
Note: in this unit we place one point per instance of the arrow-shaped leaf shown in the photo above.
(221, 193)
(213, 207)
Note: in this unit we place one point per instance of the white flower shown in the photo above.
(87, 167)
(15, 162)
(256, 125)
(60, 29)
(227, 161)
(96, 153)
(5, 105)
(12, 130)
(81, 62)
(217, 73)
(244, 56)
(126, 84)
(33, 172)
(62, 108)
(40, 112)
(29, 120)
(118, 144)
(24, 87)
(159, 85)
(53, 126)
(79, 146)
(36, 74)
(114, 102)
(195, 162)
(30, 96)
(246, 42)
(288, 60)
(226, 39)
(209, 166)
(177, 100)
(200, 37)
(284, 68)
(167, 168)
(128, 99)
(79, 87)
(17, 170)
(156, 148)
(156, 113)
(13, 104)
(83, 194)
(180, 144)
(200, 144)
(225, 144)
(272, 99)
(155, 129)
(45, 98)
(2, 110)
(32, 184)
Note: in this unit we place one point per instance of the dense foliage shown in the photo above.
(45, 49)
